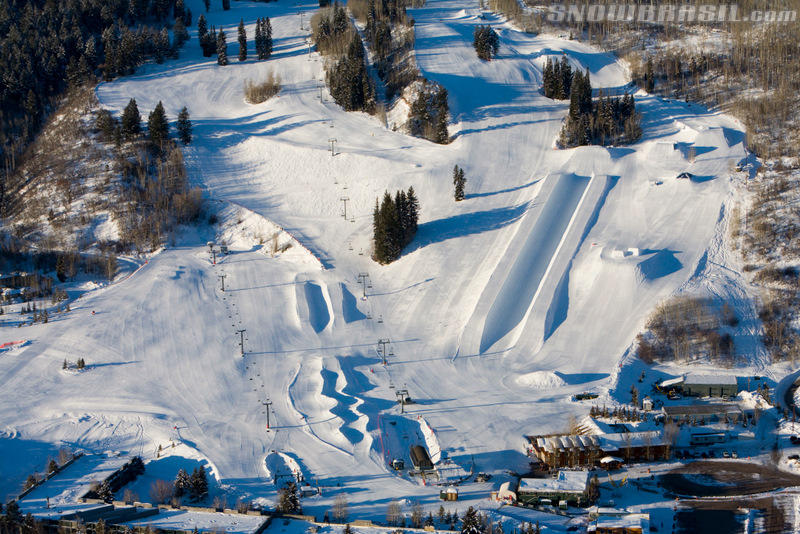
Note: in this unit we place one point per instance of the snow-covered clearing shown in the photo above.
(503, 306)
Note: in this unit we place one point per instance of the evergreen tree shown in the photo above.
(226, 5)
(104, 492)
(161, 46)
(198, 485)
(339, 19)
(242, 41)
(202, 27)
(486, 42)
(180, 33)
(183, 483)
(458, 183)
(207, 3)
(131, 120)
(184, 126)
(179, 11)
(349, 81)
(413, 211)
(564, 82)
(222, 48)
(649, 76)
(471, 523)
(267, 26)
(289, 500)
(52, 466)
(157, 125)
(443, 109)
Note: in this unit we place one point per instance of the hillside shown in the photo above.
(503, 307)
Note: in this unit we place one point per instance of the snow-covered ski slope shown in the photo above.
(503, 306)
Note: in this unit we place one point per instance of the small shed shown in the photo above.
(647, 404)
(449, 493)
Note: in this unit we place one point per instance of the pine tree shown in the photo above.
(339, 19)
(184, 126)
(443, 109)
(267, 25)
(161, 46)
(222, 48)
(207, 3)
(183, 483)
(180, 32)
(242, 41)
(413, 211)
(52, 466)
(289, 500)
(649, 76)
(157, 126)
(471, 523)
(226, 5)
(65, 364)
(458, 183)
(202, 28)
(198, 488)
(131, 120)
(104, 492)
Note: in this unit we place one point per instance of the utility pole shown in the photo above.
(267, 404)
(363, 279)
(332, 141)
(241, 340)
(382, 343)
(222, 278)
(344, 201)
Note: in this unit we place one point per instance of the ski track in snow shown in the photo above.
(465, 319)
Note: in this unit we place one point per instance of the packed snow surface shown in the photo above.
(494, 295)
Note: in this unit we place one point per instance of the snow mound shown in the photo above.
(540, 380)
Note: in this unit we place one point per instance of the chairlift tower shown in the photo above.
(241, 340)
(363, 279)
(332, 143)
(382, 343)
(344, 201)
(267, 404)
(402, 398)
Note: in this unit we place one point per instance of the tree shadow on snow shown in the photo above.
(465, 224)
(501, 191)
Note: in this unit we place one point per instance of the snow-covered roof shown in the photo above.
(610, 459)
(711, 408)
(629, 521)
(714, 379)
(565, 482)
(671, 382)
(622, 440)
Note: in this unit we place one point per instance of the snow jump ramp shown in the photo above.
(529, 288)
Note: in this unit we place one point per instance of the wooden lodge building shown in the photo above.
(560, 450)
